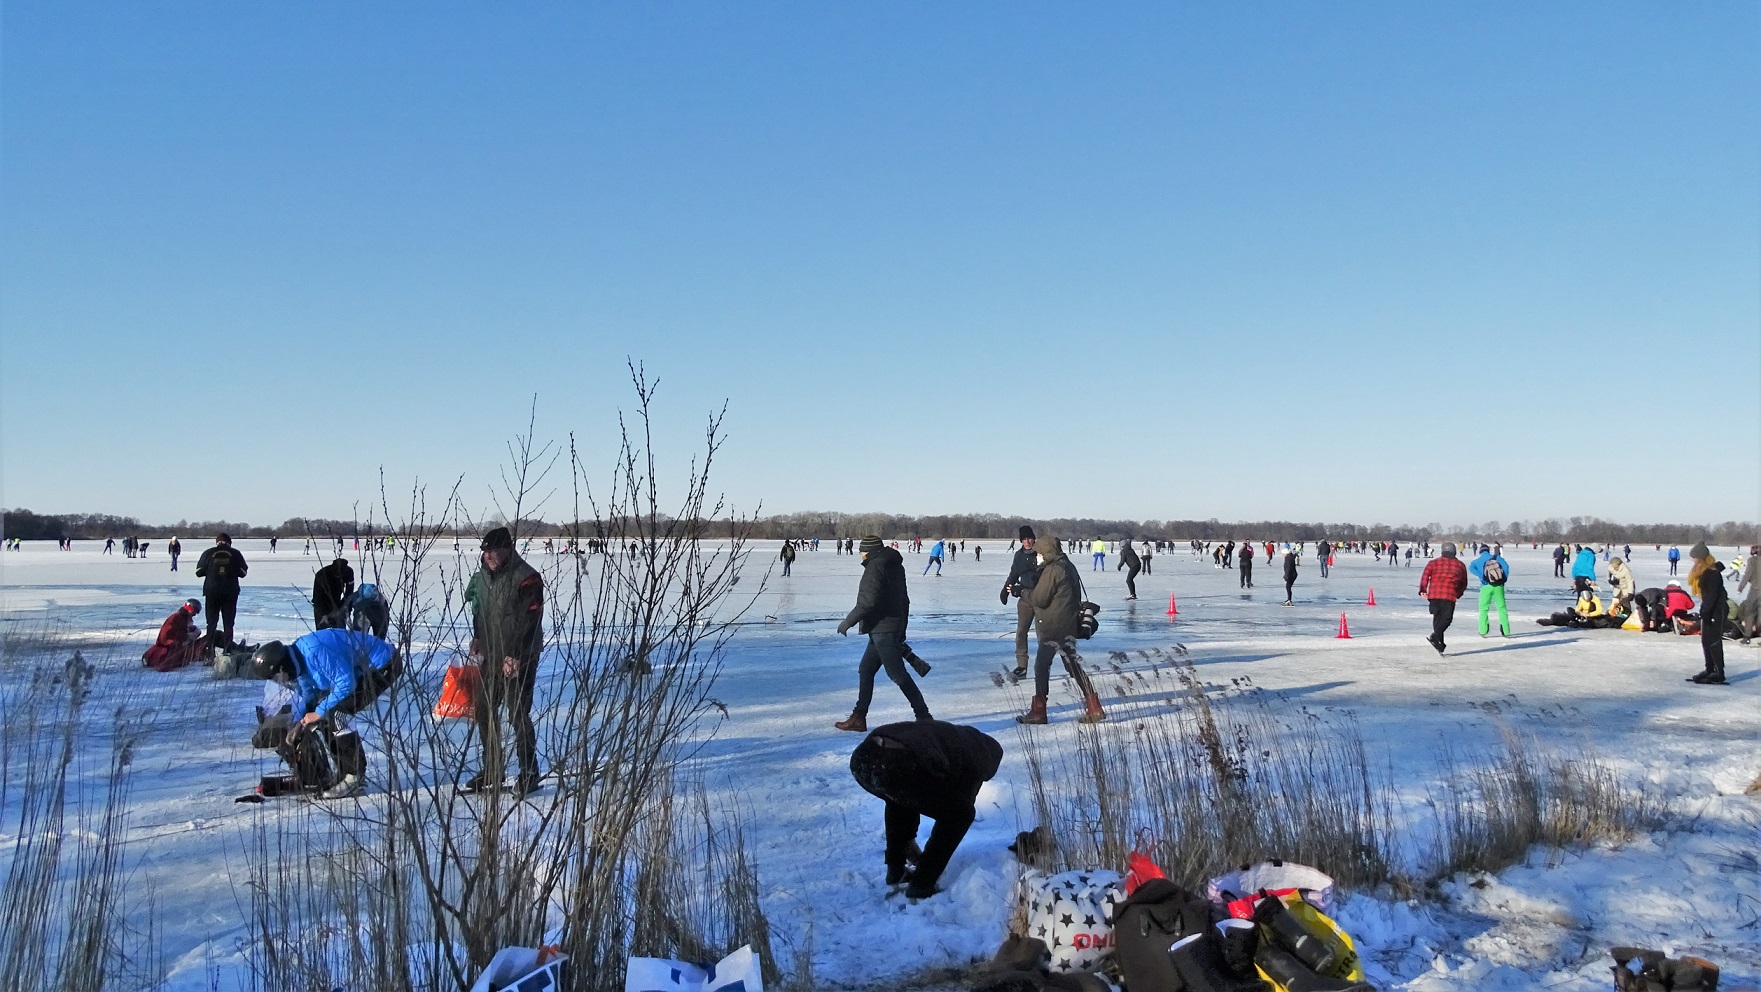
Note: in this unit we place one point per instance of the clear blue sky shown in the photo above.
(1371, 261)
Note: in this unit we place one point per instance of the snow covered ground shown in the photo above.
(1692, 888)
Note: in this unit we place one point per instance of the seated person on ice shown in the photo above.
(1587, 613)
(180, 640)
(334, 673)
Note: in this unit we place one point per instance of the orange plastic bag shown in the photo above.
(458, 693)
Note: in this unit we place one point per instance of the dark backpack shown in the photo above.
(1156, 915)
(1493, 573)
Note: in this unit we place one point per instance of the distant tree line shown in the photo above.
(991, 526)
(28, 526)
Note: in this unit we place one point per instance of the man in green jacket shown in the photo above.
(1057, 609)
(506, 597)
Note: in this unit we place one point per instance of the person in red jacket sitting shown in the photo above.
(179, 642)
(1677, 602)
(1443, 582)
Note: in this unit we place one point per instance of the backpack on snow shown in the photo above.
(1494, 573)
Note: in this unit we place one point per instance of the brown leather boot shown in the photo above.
(1091, 710)
(1036, 712)
(858, 723)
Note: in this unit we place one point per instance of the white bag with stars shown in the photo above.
(1072, 912)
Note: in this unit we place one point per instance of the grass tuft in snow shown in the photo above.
(1211, 778)
(1493, 810)
(1204, 777)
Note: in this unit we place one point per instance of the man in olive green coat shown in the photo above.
(1057, 609)
(507, 634)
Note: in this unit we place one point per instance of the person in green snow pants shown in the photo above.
(1488, 596)
(1493, 572)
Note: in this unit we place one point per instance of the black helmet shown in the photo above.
(270, 659)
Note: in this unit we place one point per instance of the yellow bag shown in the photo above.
(1348, 967)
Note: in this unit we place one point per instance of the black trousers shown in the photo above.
(1146, 565)
(950, 829)
(1131, 579)
(221, 612)
(886, 650)
(1442, 615)
(514, 693)
(1712, 643)
(1247, 573)
(1288, 584)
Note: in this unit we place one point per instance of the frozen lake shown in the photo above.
(788, 676)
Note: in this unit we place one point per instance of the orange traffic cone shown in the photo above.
(1344, 631)
(1173, 610)
(1372, 600)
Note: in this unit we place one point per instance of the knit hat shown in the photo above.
(1700, 551)
(1449, 549)
(869, 544)
(498, 538)
(1026, 533)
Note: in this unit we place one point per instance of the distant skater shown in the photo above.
(935, 558)
(1247, 566)
(1128, 560)
(176, 548)
(1099, 549)
(1289, 575)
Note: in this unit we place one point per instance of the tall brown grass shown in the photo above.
(1222, 776)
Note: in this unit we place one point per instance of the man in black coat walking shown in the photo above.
(882, 611)
(220, 568)
(925, 768)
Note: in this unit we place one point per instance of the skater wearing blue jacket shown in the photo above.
(335, 672)
(935, 558)
(1583, 569)
(1675, 558)
(1493, 572)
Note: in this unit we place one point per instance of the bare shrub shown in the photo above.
(422, 885)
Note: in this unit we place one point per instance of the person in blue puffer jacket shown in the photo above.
(335, 672)
(1583, 569)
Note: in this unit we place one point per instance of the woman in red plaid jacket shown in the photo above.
(1443, 582)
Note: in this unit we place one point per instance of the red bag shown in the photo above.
(458, 693)
(1140, 868)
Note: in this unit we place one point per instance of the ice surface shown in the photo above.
(1695, 888)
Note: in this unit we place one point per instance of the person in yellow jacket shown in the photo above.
(1099, 549)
